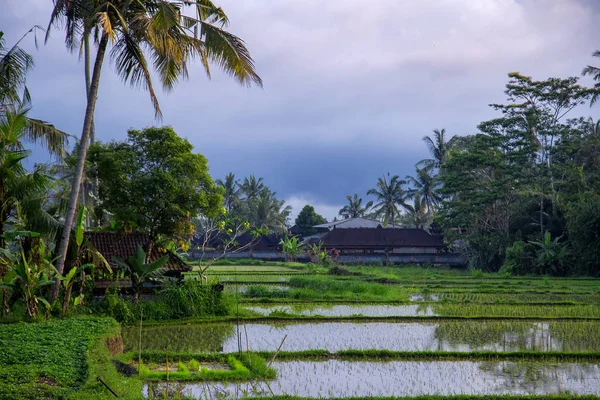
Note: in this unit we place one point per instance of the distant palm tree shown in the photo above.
(389, 196)
(438, 147)
(354, 208)
(417, 215)
(252, 187)
(594, 72)
(232, 190)
(424, 187)
(135, 29)
(270, 213)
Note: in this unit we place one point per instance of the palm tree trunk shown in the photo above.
(81, 154)
(88, 79)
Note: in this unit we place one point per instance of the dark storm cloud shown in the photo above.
(349, 90)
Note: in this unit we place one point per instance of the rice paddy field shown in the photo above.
(392, 332)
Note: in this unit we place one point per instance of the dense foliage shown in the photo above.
(154, 183)
(52, 352)
(307, 218)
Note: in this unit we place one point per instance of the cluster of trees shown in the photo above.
(251, 201)
(152, 182)
(521, 195)
(410, 202)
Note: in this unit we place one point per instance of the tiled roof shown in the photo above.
(380, 238)
(123, 245)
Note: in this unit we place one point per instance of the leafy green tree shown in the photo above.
(307, 218)
(583, 223)
(141, 271)
(354, 208)
(135, 29)
(154, 183)
(389, 196)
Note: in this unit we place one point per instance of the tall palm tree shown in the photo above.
(252, 187)
(389, 196)
(424, 187)
(136, 28)
(354, 208)
(438, 148)
(232, 190)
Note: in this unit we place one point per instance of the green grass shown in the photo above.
(47, 359)
(184, 366)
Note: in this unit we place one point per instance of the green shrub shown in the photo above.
(116, 307)
(193, 299)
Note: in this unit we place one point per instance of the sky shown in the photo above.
(350, 87)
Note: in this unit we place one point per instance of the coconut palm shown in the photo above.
(232, 190)
(135, 29)
(438, 148)
(270, 213)
(354, 208)
(424, 187)
(416, 215)
(15, 99)
(22, 192)
(252, 187)
(594, 72)
(389, 196)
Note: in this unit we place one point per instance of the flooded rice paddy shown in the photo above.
(444, 335)
(428, 310)
(335, 378)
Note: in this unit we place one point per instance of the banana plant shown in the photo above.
(140, 270)
(85, 256)
(28, 279)
(291, 247)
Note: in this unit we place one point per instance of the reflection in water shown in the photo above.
(336, 378)
(465, 335)
(346, 310)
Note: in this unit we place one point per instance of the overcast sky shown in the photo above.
(350, 87)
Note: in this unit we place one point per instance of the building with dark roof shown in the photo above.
(380, 240)
(352, 223)
(122, 245)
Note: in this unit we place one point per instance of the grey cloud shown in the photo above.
(349, 90)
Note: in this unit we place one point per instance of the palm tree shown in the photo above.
(389, 196)
(438, 148)
(232, 191)
(417, 216)
(424, 187)
(252, 187)
(15, 99)
(270, 213)
(594, 72)
(354, 208)
(135, 28)
(21, 192)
